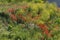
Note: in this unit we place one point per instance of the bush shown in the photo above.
(29, 20)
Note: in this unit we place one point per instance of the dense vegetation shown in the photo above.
(29, 20)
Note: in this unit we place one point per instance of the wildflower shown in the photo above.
(13, 17)
(45, 29)
(11, 10)
(22, 17)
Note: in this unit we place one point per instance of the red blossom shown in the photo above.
(46, 32)
(45, 29)
(13, 17)
(22, 17)
(11, 10)
(43, 26)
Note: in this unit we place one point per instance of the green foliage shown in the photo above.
(22, 24)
